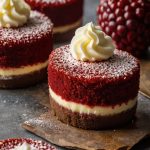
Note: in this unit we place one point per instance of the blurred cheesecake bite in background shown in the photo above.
(25, 44)
(65, 14)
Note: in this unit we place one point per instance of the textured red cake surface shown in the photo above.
(26, 45)
(103, 83)
(9, 144)
(61, 12)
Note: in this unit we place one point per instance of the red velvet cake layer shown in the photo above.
(109, 82)
(26, 45)
(61, 12)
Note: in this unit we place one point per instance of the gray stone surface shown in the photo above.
(16, 106)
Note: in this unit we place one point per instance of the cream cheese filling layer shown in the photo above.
(97, 110)
(62, 29)
(6, 72)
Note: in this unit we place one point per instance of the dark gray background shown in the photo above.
(16, 106)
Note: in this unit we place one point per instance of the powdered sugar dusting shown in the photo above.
(10, 144)
(37, 26)
(121, 65)
(52, 1)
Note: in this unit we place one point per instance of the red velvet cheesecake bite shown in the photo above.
(25, 44)
(25, 144)
(92, 85)
(65, 14)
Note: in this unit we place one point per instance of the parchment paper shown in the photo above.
(48, 127)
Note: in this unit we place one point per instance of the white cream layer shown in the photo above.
(62, 29)
(97, 110)
(6, 72)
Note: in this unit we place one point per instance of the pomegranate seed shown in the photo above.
(131, 36)
(121, 3)
(105, 5)
(131, 24)
(121, 30)
(134, 4)
(121, 45)
(112, 25)
(107, 30)
(105, 16)
(102, 24)
(128, 15)
(108, 10)
(124, 41)
(118, 12)
(102, 9)
(100, 18)
(127, 8)
(113, 6)
(115, 36)
(98, 10)
(111, 17)
(120, 20)
(139, 12)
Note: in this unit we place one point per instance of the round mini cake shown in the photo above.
(24, 144)
(25, 44)
(65, 14)
(92, 85)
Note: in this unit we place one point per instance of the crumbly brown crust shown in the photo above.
(91, 122)
(22, 81)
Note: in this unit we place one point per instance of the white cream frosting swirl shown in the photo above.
(13, 13)
(91, 44)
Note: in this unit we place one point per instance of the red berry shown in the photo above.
(127, 8)
(112, 25)
(131, 36)
(118, 12)
(128, 15)
(139, 12)
(121, 30)
(111, 17)
(131, 24)
(115, 36)
(120, 20)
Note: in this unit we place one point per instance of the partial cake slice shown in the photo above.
(24, 144)
(92, 85)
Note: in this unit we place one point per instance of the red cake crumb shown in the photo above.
(61, 12)
(10, 144)
(109, 82)
(28, 44)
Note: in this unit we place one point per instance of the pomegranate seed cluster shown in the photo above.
(127, 22)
